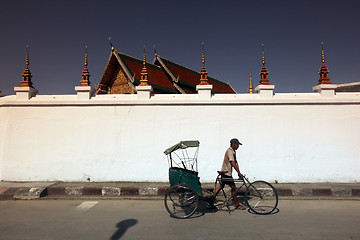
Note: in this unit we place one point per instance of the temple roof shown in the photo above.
(187, 78)
(164, 75)
(157, 78)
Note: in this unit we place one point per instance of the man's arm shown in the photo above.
(236, 167)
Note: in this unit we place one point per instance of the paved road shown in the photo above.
(130, 219)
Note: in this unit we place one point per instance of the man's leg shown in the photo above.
(233, 193)
(217, 190)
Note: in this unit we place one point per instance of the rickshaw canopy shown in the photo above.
(182, 145)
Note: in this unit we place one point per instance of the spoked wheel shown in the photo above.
(181, 201)
(262, 197)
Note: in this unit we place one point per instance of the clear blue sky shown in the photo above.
(233, 31)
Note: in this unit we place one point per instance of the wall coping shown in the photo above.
(182, 99)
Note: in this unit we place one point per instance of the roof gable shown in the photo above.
(157, 77)
(132, 68)
(188, 78)
(164, 76)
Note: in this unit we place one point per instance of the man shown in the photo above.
(228, 165)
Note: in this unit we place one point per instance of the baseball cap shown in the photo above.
(235, 141)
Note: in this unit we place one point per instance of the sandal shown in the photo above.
(240, 207)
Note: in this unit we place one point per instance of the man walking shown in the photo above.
(228, 165)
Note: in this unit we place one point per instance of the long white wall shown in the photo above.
(286, 137)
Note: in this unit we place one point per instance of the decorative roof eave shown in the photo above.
(170, 73)
(179, 88)
(104, 73)
(231, 87)
(124, 67)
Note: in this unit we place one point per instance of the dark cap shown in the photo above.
(235, 141)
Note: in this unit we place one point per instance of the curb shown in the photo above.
(106, 191)
(23, 193)
(30, 193)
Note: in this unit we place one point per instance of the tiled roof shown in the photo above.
(157, 78)
(158, 75)
(188, 79)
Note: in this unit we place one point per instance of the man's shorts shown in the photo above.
(227, 180)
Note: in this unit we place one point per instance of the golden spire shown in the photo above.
(251, 89)
(264, 73)
(85, 74)
(86, 61)
(203, 72)
(26, 76)
(324, 72)
(322, 53)
(144, 73)
(202, 54)
(144, 58)
(27, 56)
(263, 55)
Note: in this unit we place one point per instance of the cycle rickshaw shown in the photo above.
(185, 193)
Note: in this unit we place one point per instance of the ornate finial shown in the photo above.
(144, 59)
(203, 72)
(85, 74)
(251, 89)
(27, 56)
(264, 73)
(155, 50)
(144, 74)
(263, 55)
(112, 47)
(324, 72)
(322, 53)
(26, 76)
(86, 60)
(203, 55)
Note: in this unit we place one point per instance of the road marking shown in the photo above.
(84, 206)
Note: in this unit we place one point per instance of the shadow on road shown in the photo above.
(203, 209)
(276, 210)
(122, 228)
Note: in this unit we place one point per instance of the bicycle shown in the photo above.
(260, 196)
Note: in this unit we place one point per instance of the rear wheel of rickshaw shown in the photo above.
(262, 197)
(181, 201)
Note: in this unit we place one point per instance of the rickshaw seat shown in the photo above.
(180, 175)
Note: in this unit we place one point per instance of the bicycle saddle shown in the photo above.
(222, 172)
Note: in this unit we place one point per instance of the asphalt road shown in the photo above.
(148, 219)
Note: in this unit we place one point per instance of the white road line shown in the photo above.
(84, 206)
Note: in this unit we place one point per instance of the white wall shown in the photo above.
(287, 137)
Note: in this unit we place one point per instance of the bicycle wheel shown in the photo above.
(181, 201)
(261, 197)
